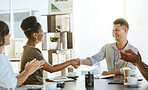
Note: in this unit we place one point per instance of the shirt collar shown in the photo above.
(126, 47)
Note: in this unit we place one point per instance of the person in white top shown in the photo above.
(7, 77)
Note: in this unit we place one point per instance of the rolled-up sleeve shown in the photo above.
(98, 57)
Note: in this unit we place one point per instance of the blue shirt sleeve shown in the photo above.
(98, 57)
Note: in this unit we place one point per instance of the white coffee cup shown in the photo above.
(71, 74)
(50, 85)
(127, 71)
(132, 80)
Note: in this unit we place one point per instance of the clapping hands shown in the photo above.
(34, 65)
(130, 56)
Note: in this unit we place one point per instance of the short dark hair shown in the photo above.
(4, 31)
(30, 25)
(121, 21)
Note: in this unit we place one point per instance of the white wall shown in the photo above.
(4, 5)
(93, 24)
(39, 5)
(26, 5)
(137, 15)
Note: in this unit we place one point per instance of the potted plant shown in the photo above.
(54, 43)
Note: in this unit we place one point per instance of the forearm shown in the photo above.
(143, 69)
(61, 66)
(111, 72)
(21, 78)
(86, 61)
(48, 67)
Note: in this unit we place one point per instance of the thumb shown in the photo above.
(139, 55)
(27, 64)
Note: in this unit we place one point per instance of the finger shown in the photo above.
(75, 66)
(33, 61)
(127, 50)
(124, 58)
(123, 54)
(36, 66)
(33, 68)
(104, 73)
(41, 66)
(134, 64)
(130, 51)
(139, 55)
(78, 62)
(27, 63)
(42, 62)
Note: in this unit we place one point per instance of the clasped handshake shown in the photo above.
(75, 62)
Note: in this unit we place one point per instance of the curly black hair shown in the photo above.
(30, 25)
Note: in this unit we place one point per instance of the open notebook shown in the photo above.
(100, 76)
(61, 79)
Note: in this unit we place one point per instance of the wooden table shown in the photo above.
(100, 84)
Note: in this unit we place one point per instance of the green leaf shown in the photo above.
(54, 39)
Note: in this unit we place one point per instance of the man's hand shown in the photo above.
(106, 73)
(130, 56)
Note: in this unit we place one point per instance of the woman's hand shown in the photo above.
(34, 65)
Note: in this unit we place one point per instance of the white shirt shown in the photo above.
(111, 53)
(7, 76)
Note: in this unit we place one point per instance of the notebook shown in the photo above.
(100, 76)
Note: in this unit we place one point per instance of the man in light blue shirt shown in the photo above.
(111, 52)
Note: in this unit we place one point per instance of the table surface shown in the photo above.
(100, 84)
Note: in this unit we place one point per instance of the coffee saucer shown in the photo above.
(73, 77)
(51, 89)
(132, 85)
